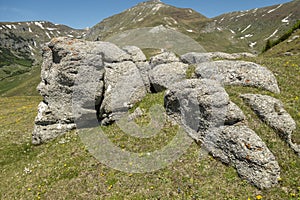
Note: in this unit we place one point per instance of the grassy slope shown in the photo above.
(63, 169)
(11, 65)
(21, 85)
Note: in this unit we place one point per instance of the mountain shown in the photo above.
(21, 43)
(230, 32)
(254, 27)
(148, 14)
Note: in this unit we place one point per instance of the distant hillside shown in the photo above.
(289, 47)
(21, 43)
(254, 27)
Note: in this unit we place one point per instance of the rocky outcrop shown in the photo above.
(81, 84)
(272, 112)
(85, 84)
(203, 108)
(238, 73)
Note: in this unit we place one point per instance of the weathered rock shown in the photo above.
(234, 114)
(196, 58)
(197, 105)
(203, 108)
(241, 147)
(272, 112)
(136, 53)
(163, 58)
(46, 127)
(124, 87)
(164, 75)
(144, 68)
(80, 80)
(238, 73)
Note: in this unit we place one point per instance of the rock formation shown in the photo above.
(78, 80)
(85, 84)
(203, 108)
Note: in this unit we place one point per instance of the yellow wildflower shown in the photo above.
(258, 197)
(109, 187)
(293, 194)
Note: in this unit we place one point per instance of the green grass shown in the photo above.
(8, 58)
(190, 72)
(149, 52)
(21, 85)
(11, 65)
(64, 169)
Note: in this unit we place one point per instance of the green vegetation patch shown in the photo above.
(285, 36)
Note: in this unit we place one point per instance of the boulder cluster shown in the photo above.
(86, 83)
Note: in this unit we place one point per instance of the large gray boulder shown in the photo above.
(197, 105)
(124, 87)
(80, 82)
(238, 73)
(272, 112)
(196, 58)
(136, 53)
(203, 108)
(241, 147)
(164, 75)
(163, 58)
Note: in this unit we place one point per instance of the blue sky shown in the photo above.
(82, 14)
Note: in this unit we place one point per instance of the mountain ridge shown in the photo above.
(227, 36)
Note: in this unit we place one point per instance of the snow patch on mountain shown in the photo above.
(274, 8)
(246, 28)
(39, 24)
(252, 44)
(285, 20)
(272, 34)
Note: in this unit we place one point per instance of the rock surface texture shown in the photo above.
(203, 108)
(238, 73)
(196, 58)
(164, 75)
(79, 84)
(85, 84)
(272, 112)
